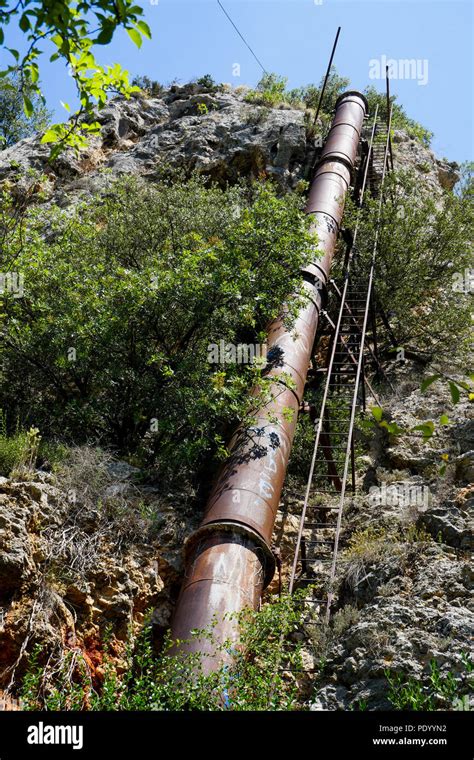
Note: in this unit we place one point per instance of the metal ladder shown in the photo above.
(339, 397)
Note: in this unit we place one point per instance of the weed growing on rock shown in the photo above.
(257, 678)
(436, 691)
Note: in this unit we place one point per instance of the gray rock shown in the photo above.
(216, 133)
(121, 470)
(448, 523)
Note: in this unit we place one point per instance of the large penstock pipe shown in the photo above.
(228, 559)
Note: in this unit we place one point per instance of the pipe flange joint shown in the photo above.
(231, 526)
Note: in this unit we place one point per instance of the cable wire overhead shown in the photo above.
(242, 37)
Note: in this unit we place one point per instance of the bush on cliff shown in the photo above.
(108, 342)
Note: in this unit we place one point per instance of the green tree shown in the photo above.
(310, 94)
(400, 120)
(121, 302)
(424, 250)
(147, 85)
(14, 124)
(270, 90)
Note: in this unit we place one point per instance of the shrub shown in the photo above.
(435, 690)
(169, 681)
(111, 343)
(208, 83)
(19, 451)
(270, 91)
(400, 120)
(343, 619)
(149, 86)
(423, 245)
(310, 94)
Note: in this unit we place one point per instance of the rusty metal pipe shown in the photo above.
(228, 559)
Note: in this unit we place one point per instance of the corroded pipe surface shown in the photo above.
(228, 559)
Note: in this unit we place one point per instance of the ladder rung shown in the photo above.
(328, 446)
(314, 601)
(323, 542)
(318, 506)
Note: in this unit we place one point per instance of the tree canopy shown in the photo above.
(14, 123)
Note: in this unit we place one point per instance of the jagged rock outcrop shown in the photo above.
(72, 567)
(405, 582)
(216, 133)
(189, 127)
(435, 173)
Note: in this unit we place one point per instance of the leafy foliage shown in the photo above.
(22, 450)
(75, 30)
(208, 83)
(423, 245)
(123, 298)
(17, 451)
(168, 680)
(436, 691)
(400, 120)
(310, 94)
(147, 85)
(272, 91)
(14, 123)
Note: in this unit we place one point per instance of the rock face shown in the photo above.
(405, 583)
(72, 567)
(435, 173)
(218, 134)
(189, 127)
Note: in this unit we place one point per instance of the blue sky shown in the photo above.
(294, 38)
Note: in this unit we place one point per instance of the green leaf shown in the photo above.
(455, 392)
(24, 23)
(427, 429)
(2, 36)
(106, 34)
(377, 413)
(144, 28)
(394, 429)
(135, 37)
(444, 420)
(34, 73)
(50, 135)
(27, 106)
(428, 381)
